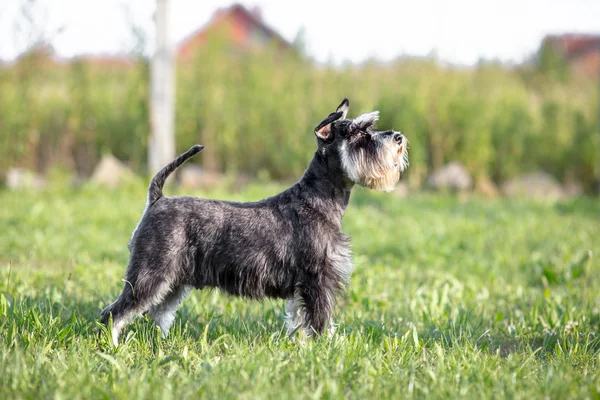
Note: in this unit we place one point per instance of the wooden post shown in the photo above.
(161, 146)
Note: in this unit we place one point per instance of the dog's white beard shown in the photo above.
(378, 173)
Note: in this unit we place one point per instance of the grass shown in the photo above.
(449, 298)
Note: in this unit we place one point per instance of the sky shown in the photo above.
(455, 31)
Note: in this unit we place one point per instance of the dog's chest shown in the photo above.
(339, 260)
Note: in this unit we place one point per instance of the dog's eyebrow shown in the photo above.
(365, 120)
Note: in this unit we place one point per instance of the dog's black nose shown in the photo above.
(398, 138)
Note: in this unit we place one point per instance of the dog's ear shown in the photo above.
(323, 130)
(343, 108)
(365, 121)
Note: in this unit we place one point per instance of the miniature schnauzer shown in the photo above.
(288, 246)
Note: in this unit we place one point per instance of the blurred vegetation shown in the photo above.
(255, 113)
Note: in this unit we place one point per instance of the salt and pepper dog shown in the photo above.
(289, 246)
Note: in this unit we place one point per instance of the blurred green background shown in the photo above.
(255, 111)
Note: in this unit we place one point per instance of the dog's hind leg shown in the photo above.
(139, 295)
(164, 312)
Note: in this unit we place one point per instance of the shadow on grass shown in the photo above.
(63, 322)
(31, 318)
(467, 332)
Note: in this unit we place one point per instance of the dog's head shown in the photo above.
(368, 157)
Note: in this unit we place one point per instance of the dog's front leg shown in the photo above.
(310, 310)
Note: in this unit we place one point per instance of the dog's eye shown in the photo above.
(356, 134)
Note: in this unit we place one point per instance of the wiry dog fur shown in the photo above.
(288, 246)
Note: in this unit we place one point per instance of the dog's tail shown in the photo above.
(155, 188)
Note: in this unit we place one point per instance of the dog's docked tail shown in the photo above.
(155, 188)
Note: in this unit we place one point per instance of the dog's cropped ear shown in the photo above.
(343, 108)
(323, 130)
(365, 121)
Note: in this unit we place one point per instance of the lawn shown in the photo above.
(449, 297)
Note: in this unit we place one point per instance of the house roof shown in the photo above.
(574, 45)
(221, 16)
(45, 53)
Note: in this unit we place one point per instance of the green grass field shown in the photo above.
(471, 298)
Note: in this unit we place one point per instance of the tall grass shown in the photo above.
(255, 113)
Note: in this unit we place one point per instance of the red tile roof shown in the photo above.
(239, 24)
(574, 45)
(581, 51)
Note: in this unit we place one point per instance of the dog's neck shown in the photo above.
(329, 188)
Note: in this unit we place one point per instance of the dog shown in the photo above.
(289, 246)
